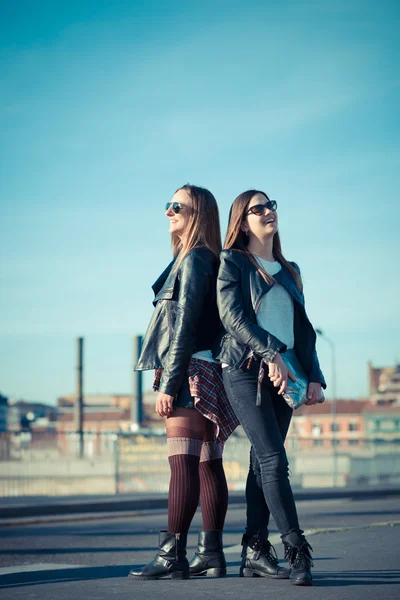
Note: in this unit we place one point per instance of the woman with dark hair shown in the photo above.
(261, 305)
(191, 396)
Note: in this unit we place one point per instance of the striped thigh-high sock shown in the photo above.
(184, 486)
(213, 487)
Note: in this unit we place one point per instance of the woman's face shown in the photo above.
(178, 221)
(260, 225)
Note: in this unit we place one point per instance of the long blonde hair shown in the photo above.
(237, 239)
(203, 228)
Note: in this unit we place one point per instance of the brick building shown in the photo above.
(384, 384)
(315, 426)
(382, 423)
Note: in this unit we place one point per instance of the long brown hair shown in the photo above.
(237, 239)
(203, 228)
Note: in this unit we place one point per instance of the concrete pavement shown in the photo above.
(356, 548)
(26, 507)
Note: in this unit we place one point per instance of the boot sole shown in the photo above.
(174, 575)
(302, 582)
(215, 572)
(251, 573)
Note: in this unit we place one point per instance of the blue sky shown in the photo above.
(106, 108)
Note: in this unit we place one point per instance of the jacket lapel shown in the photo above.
(163, 288)
(285, 279)
(260, 287)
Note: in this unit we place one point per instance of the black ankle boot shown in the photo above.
(300, 560)
(259, 559)
(209, 558)
(169, 560)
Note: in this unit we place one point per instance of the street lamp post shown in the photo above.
(333, 404)
(137, 391)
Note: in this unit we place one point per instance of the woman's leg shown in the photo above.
(262, 429)
(213, 486)
(185, 433)
(209, 557)
(257, 511)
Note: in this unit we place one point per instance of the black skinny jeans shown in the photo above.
(268, 488)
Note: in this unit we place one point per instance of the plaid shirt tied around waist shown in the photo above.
(210, 399)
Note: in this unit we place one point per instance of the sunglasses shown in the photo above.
(176, 206)
(261, 209)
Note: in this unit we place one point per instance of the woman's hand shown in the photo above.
(314, 393)
(279, 373)
(164, 404)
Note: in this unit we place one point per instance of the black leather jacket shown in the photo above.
(185, 319)
(240, 289)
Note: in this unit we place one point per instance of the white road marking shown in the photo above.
(276, 538)
(38, 567)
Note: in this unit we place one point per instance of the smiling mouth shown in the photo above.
(269, 221)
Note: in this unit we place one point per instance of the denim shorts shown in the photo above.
(184, 399)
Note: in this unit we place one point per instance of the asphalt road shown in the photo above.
(356, 549)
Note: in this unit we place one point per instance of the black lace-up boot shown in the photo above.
(297, 551)
(209, 558)
(259, 558)
(169, 560)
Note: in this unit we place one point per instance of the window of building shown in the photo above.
(316, 429)
(353, 442)
(335, 442)
(335, 427)
(353, 426)
(318, 442)
(387, 425)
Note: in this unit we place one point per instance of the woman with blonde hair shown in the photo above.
(261, 305)
(191, 396)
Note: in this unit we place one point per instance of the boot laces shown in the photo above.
(271, 553)
(265, 547)
(299, 557)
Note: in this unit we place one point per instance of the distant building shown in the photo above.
(121, 400)
(29, 415)
(117, 400)
(315, 426)
(3, 412)
(9, 415)
(384, 384)
(382, 423)
(106, 412)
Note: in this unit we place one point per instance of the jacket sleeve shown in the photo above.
(233, 314)
(196, 276)
(315, 375)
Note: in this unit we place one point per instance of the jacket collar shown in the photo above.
(163, 287)
(260, 287)
(285, 278)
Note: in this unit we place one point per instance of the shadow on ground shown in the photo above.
(321, 579)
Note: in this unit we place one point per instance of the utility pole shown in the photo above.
(79, 396)
(333, 406)
(137, 385)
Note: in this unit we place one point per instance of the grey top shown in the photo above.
(276, 313)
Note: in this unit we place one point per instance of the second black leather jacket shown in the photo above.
(185, 319)
(240, 289)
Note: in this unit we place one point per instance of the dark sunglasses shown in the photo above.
(176, 206)
(261, 209)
